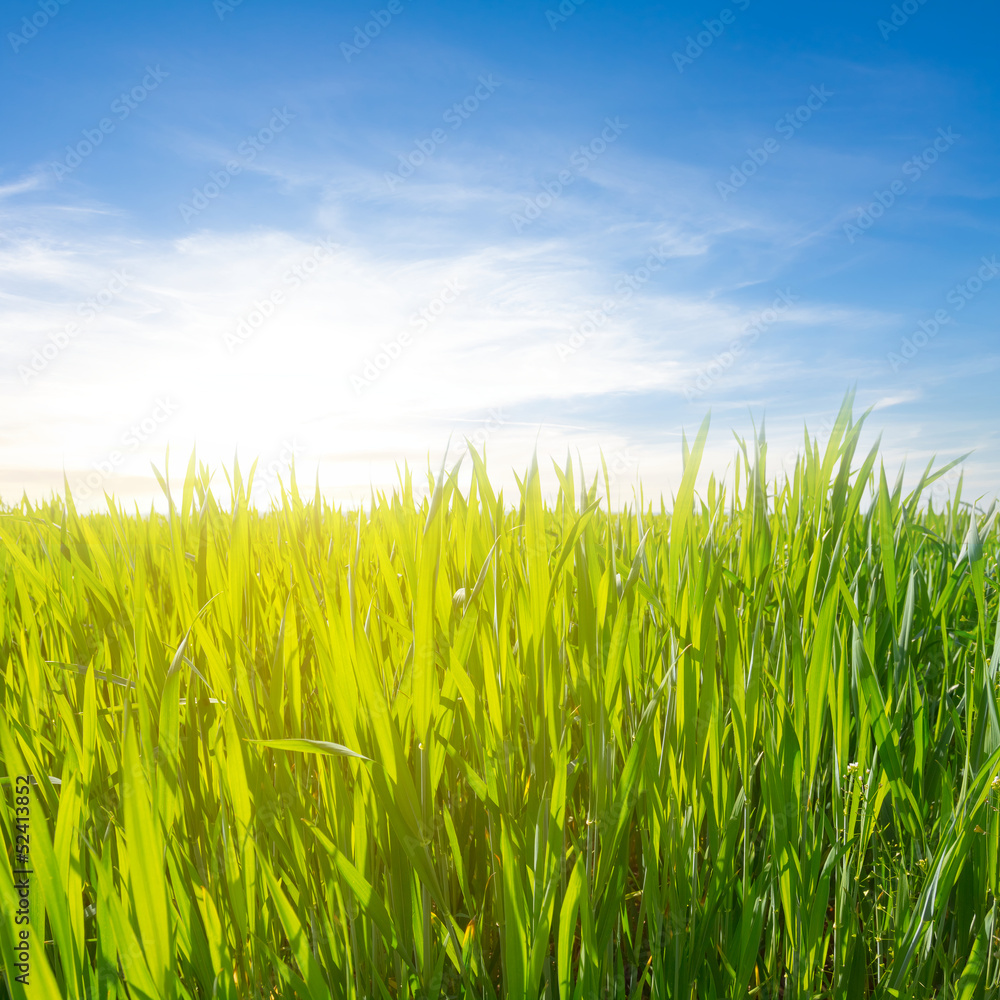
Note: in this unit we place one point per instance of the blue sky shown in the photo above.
(345, 232)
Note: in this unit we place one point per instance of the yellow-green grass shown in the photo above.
(470, 747)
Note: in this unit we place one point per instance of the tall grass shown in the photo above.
(460, 747)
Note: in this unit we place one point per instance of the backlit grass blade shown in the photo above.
(147, 870)
(722, 749)
(311, 746)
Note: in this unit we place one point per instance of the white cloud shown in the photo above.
(29, 183)
(152, 365)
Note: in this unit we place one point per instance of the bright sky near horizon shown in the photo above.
(347, 232)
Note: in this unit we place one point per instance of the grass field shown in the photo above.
(483, 746)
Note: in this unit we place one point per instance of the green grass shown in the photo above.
(466, 747)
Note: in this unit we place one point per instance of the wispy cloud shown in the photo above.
(165, 332)
(29, 183)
